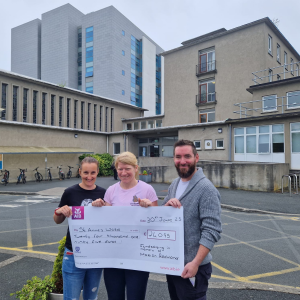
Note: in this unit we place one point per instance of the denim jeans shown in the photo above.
(117, 279)
(74, 279)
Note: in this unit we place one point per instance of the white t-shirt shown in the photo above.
(182, 185)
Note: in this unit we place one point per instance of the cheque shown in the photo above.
(133, 238)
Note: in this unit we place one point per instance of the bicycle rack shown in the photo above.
(290, 184)
(295, 181)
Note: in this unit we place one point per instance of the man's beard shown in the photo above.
(186, 174)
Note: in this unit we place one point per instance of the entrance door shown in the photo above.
(295, 146)
(154, 151)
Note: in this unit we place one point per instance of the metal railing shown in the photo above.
(277, 73)
(205, 67)
(205, 98)
(282, 103)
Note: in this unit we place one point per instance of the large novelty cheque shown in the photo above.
(146, 239)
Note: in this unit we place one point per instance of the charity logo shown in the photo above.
(135, 199)
(77, 212)
(77, 249)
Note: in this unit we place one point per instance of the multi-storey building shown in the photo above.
(101, 53)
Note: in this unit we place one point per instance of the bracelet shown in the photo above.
(56, 212)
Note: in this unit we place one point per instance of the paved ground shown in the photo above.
(258, 256)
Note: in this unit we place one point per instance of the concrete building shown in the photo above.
(102, 53)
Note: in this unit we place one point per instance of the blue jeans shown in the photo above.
(74, 279)
(117, 279)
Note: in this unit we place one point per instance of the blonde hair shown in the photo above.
(127, 158)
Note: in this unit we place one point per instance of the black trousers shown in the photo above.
(115, 174)
(182, 289)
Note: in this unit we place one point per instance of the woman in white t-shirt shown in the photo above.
(128, 192)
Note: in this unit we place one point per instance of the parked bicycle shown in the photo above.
(5, 178)
(77, 174)
(22, 177)
(69, 174)
(61, 174)
(49, 174)
(38, 176)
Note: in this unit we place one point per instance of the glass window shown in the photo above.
(89, 29)
(197, 144)
(238, 131)
(89, 89)
(278, 143)
(292, 66)
(270, 44)
(239, 144)
(123, 92)
(143, 125)
(123, 32)
(263, 143)
(270, 75)
(295, 126)
(52, 109)
(143, 151)
(117, 148)
(143, 140)
(150, 124)
(219, 144)
(278, 53)
(251, 144)
(128, 126)
(153, 140)
(277, 128)
(25, 96)
(264, 129)
(296, 142)
(269, 103)
(285, 61)
(15, 103)
(123, 72)
(136, 125)
(250, 130)
(123, 52)
(293, 99)
(158, 123)
(167, 151)
(207, 115)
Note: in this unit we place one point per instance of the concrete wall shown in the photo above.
(26, 49)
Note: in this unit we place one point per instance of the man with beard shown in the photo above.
(202, 223)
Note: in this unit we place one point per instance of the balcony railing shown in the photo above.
(205, 67)
(205, 98)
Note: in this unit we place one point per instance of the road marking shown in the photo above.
(28, 251)
(10, 205)
(269, 274)
(10, 261)
(31, 229)
(40, 245)
(29, 201)
(29, 236)
(227, 271)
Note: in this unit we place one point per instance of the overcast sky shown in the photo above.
(167, 22)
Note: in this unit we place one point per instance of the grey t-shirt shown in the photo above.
(182, 185)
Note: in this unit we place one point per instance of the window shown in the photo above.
(197, 144)
(167, 151)
(143, 125)
(89, 72)
(111, 120)
(292, 66)
(150, 124)
(34, 106)
(136, 125)
(52, 109)
(220, 144)
(128, 126)
(293, 99)
(95, 116)
(75, 113)
(60, 111)
(15, 103)
(123, 72)
(116, 148)
(44, 95)
(143, 151)
(3, 101)
(239, 140)
(278, 77)
(278, 138)
(264, 139)
(82, 114)
(89, 89)
(269, 103)
(89, 116)
(285, 61)
(123, 92)
(251, 140)
(106, 119)
(123, 32)
(278, 53)
(295, 132)
(270, 75)
(207, 91)
(158, 123)
(68, 111)
(270, 44)
(123, 52)
(100, 118)
(207, 115)
(25, 97)
(297, 69)
(207, 60)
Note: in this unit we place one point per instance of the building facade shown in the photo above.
(101, 53)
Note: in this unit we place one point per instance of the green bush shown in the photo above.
(105, 160)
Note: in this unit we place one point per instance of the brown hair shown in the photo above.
(127, 158)
(89, 160)
(181, 143)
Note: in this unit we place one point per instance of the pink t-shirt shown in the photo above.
(116, 196)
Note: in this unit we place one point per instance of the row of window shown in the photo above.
(270, 103)
(99, 112)
(150, 124)
(208, 144)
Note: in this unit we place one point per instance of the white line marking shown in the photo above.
(10, 205)
(10, 261)
(29, 201)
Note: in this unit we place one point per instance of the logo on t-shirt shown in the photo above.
(86, 202)
(135, 201)
(77, 212)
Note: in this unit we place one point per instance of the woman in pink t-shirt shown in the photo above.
(128, 192)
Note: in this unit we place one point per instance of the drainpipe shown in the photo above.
(230, 143)
(107, 144)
